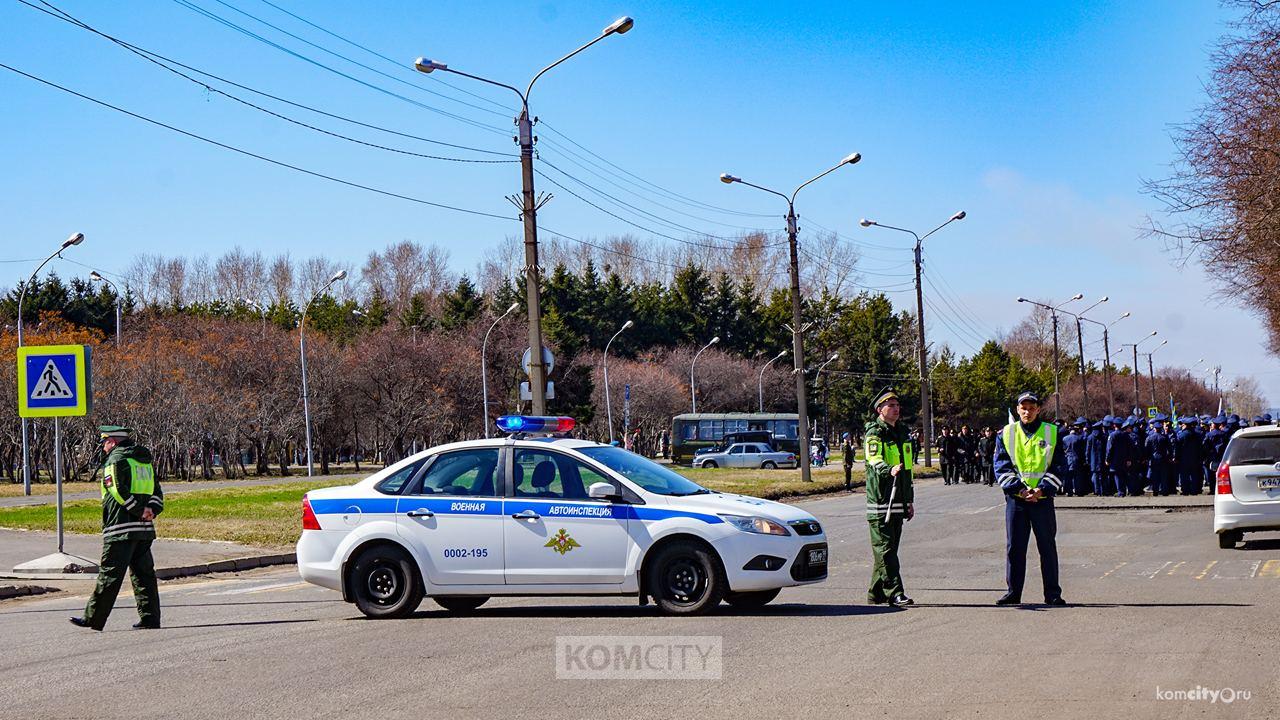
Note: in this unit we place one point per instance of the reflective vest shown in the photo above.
(1031, 455)
(880, 450)
(142, 477)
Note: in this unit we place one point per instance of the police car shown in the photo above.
(537, 513)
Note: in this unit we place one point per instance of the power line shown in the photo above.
(148, 56)
(959, 316)
(240, 151)
(957, 333)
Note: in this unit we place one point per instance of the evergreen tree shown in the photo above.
(460, 306)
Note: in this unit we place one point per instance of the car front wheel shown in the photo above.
(710, 464)
(385, 583)
(685, 579)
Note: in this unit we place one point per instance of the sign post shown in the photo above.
(55, 381)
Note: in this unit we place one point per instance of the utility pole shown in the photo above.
(1057, 397)
(1151, 373)
(1106, 371)
(1084, 381)
(926, 403)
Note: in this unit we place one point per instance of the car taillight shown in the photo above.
(309, 521)
(1224, 478)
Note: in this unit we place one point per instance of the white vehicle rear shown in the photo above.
(1248, 485)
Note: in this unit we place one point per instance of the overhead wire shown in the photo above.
(959, 316)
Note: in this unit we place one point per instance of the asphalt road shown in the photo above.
(1156, 607)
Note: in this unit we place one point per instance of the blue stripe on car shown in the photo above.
(495, 506)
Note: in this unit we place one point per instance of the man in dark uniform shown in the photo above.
(890, 497)
(987, 452)
(1120, 457)
(1095, 450)
(1073, 448)
(131, 499)
(946, 447)
(1188, 447)
(1029, 464)
(1215, 446)
(1159, 458)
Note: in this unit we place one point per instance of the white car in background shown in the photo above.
(1248, 485)
(746, 455)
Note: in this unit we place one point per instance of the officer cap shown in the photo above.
(114, 431)
(1100, 423)
(1108, 420)
(1233, 418)
(884, 396)
(1128, 423)
(1081, 422)
(1160, 418)
(1028, 397)
(1258, 420)
(1266, 417)
(1220, 420)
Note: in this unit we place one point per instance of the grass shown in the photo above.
(269, 515)
(9, 489)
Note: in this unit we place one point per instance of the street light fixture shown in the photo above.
(797, 342)
(926, 407)
(484, 376)
(74, 239)
(97, 276)
(529, 205)
(760, 380)
(302, 350)
(1106, 363)
(608, 406)
(693, 393)
(1136, 372)
(1151, 371)
(1053, 313)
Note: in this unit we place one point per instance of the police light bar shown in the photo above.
(535, 423)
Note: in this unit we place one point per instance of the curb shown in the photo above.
(173, 573)
(8, 592)
(1166, 508)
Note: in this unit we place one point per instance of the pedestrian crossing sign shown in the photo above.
(54, 381)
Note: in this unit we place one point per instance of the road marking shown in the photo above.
(1117, 567)
(1175, 567)
(1206, 569)
(985, 509)
(1270, 569)
(1253, 571)
(257, 588)
(1158, 570)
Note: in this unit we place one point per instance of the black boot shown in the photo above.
(81, 622)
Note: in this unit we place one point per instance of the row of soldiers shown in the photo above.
(1115, 456)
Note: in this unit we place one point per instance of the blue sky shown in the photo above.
(1039, 119)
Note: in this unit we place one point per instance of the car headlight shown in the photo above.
(758, 525)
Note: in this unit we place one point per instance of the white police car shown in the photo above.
(547, 515)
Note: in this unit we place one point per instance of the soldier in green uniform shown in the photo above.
(131, 499)
(890, 497)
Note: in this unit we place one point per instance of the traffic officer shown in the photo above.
(946, 448)
(1029, 464)
(131, 499)
(1073, 448)
(847, 452)
(1188, 449)
(1159, 457)
(890, 497)
(1095, 450)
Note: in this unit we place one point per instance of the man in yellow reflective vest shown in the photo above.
(890, 497)
(1029, 465)
(131, 499)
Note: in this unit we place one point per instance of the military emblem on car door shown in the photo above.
(561, 542)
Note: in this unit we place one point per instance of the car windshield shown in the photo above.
(1256, 450)
(647, 474)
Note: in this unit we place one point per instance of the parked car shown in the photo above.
(761, 437)
(1248, 485)
(746, 455)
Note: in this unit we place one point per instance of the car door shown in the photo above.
(452, 518)
(737, 456)
(552, 532)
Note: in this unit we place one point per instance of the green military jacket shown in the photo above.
(888, 445)
(125, 496)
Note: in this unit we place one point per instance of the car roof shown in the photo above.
(1257, 430)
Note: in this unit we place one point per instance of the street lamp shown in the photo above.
(1053, 312)
(760, 380)
(925, 405)
(1136, 372)
(261, 310)
(529, 205)
(1151, 371)
(484, 375)
(1106, 363)
(1084, 382)
(797, 342)
(608, 407)
(97, 276)
(302, 350)
(75, 239)
(693, 393)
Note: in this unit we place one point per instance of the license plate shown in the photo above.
(818, 556)
(1270, 483)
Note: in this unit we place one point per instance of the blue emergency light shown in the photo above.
(535, 423)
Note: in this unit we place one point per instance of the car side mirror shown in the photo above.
(603, 491)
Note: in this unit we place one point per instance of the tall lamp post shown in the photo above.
(1136, 372)
(1151, 370)
(1084, 381)
(797, 342)
(261, 311)
(302, 350)
(925, 405)
(75, 239)
(693, 392)
(529, 205)
(97, 276)
(1106, 364)
(1053, 312)
(760, 380)
(608, 406)
(825, 423)
(484, 375)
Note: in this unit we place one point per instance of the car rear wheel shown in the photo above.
(751, 600)
(1228, 540)
(460, 603)
(769, 465)
(710, 464)
(385, 583)
(685, 579)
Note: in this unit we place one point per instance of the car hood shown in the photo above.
(734, 504)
